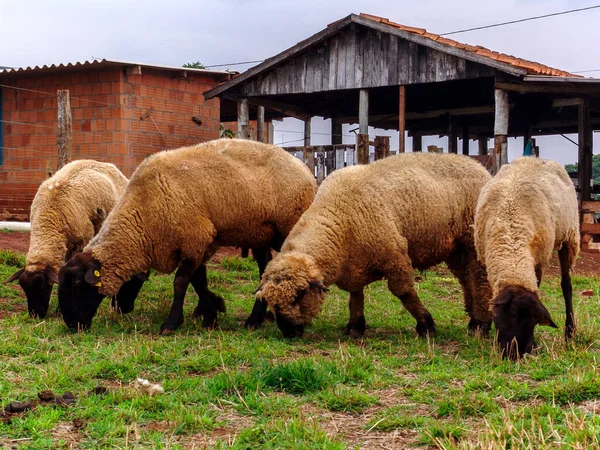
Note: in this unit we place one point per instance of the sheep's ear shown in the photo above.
(258, 291)
(15, 276)
(542, 315)
(504, 297)
(51, 274)
(318, 285)
(92, 276)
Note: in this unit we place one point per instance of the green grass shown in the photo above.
(242, 389)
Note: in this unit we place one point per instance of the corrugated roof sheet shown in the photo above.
(532, 67)
(101, 63)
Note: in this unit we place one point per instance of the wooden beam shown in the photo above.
(63, 137)
(482, 142)
(547, 88)
(363, 111)
(585, 152)
(260, 124)
(281, 107)
(307, 133)
(402, 119)
(417, 143)
(362, 148)
(501, 127)
(562, 102)
(452, 137)
(243, 115)
(336, 131)
(465, 139)
(590, 228)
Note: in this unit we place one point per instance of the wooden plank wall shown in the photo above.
(360, 57)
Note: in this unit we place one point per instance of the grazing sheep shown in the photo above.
(382, 221)
(68, 209)
(528, 210)
(178, 208)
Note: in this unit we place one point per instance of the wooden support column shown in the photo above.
(585, 151)
(309, 157)
(465, 139)
(270, 133)
(402, 119)
(362, 138)
(260, 124)
(63, 137)
(417, 143)
(501, 128)
(382, 147)
(452, 137)
(482, 142)
(336, 131)
(243, 117)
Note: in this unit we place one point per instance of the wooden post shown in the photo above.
(336, 131)
(363, 111)
(417, 143)
(482, 143)
(243, 116)
(306, 156)
(585, 151)
(452, 137)
(465, 140)
(382, 147)
(307, 133)
(501, 128)
(362, 148)
(526, 138)
(402, 119)
(260, 124)
(63, 137)
(270, 133)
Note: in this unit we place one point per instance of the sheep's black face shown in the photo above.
(516, 312)
(287, 327)
(78, 295)
(37, 286)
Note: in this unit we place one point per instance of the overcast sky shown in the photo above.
(173, 32)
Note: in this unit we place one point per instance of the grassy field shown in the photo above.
(234, 388)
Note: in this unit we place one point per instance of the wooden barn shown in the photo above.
(369, 70)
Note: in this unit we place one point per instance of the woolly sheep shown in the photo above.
(528, 210)
(68, 209)
(179, 206)
(381, 221)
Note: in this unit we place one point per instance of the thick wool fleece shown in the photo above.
(381, 220)
(181, 204)
(524, 213)
(69, 208)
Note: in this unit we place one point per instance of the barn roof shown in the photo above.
(532, 67)
(478, 54)
(105, 63)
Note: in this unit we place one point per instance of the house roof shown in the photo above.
(532, 67)
(106, 63)
(499, 61)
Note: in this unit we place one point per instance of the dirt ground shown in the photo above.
(588, 264)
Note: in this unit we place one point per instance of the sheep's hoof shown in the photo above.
(254, 321)
(169, 326)
(479, 327)
(356, 329)
(427, 327)
(165, 332)
(569, 331)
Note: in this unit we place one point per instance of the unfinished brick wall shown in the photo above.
(106, 106)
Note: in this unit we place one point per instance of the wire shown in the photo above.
(520, 20)
(586, 71)
(235, 64)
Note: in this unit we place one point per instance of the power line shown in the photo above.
(234, 64)
(586, 71)
(521, 20)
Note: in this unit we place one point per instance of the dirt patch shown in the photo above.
(16, 241)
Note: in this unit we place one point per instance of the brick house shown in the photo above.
(121, 112)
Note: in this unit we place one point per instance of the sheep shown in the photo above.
(67, 210)
(524, 213)
(381, 221)
(179, 207)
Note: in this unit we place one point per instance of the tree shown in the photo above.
(573, 168)
(194, 65)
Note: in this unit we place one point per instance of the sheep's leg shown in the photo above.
(400, 284)
(209, 303)
(182, 280)
(538, 274)
(472, 277)
(356, 325)
(566, 255)
(259, 311)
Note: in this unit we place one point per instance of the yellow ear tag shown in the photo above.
(96, 273)
(98, 284)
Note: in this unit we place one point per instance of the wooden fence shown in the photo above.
(590, 226)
